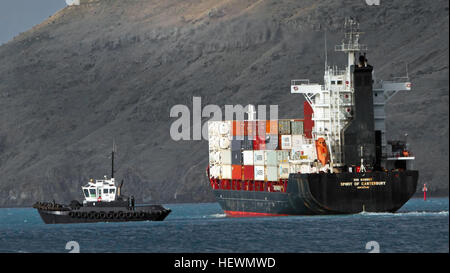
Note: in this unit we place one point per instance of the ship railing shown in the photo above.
(303, 86)
(300, 82)
(336, 72)
(350, 47)
(398, 79)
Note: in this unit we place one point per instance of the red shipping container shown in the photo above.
(308, 123)
(259, 143)
(249, 172)
(236, 171)
(250, 185)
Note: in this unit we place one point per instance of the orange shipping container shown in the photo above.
(238, 128)
(250, 129)
(272, 127)
(236, 171)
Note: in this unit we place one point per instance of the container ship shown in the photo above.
(336, 160)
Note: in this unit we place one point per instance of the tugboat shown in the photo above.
(103, 202)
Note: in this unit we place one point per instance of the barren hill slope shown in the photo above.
(114, 69)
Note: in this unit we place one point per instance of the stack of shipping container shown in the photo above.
(258, 150)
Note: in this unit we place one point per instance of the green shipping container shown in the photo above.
(284, 127)
(297, 127)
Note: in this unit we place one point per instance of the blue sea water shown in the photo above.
(419, 226)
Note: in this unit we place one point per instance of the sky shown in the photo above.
(18, 16)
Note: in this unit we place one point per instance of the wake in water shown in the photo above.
(409, 213)
(217, 215)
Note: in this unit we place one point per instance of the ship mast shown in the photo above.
(333, 102)
(112, 159)
(350, 44)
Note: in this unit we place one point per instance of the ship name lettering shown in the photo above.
(374, 183)
(366, 179)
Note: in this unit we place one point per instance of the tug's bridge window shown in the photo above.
(86, 192)
(111, 191)
(105, 191)
(93, 192)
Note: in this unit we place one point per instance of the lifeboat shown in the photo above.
(322, 151)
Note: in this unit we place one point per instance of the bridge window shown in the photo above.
(333, 82)
(105, 191)
(339, 82)
(86, 192)
(112, 191)
(93, 192)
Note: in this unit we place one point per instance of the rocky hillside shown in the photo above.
(114, 69)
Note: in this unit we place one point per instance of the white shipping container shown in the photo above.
(309, 152)
(225, 127)
(259, 173)
(297, 154)
(297, 141)
(213, 128)
(214, 157)
(294, 168)
(286, 142)
(270, 158)
(305, 168)
(214, 171)
(226, 172)
(272, 173)
(283, 171)
(224, 143)
(225, 157)
(282, 156)
(213, 143)
(248, 157)
(258, 158)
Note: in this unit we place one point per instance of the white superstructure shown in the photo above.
(100, 190)
(333, 102)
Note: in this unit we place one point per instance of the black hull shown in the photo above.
(89, 214)
(320, 194)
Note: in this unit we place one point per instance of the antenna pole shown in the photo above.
(326, 53)
(112, 160)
